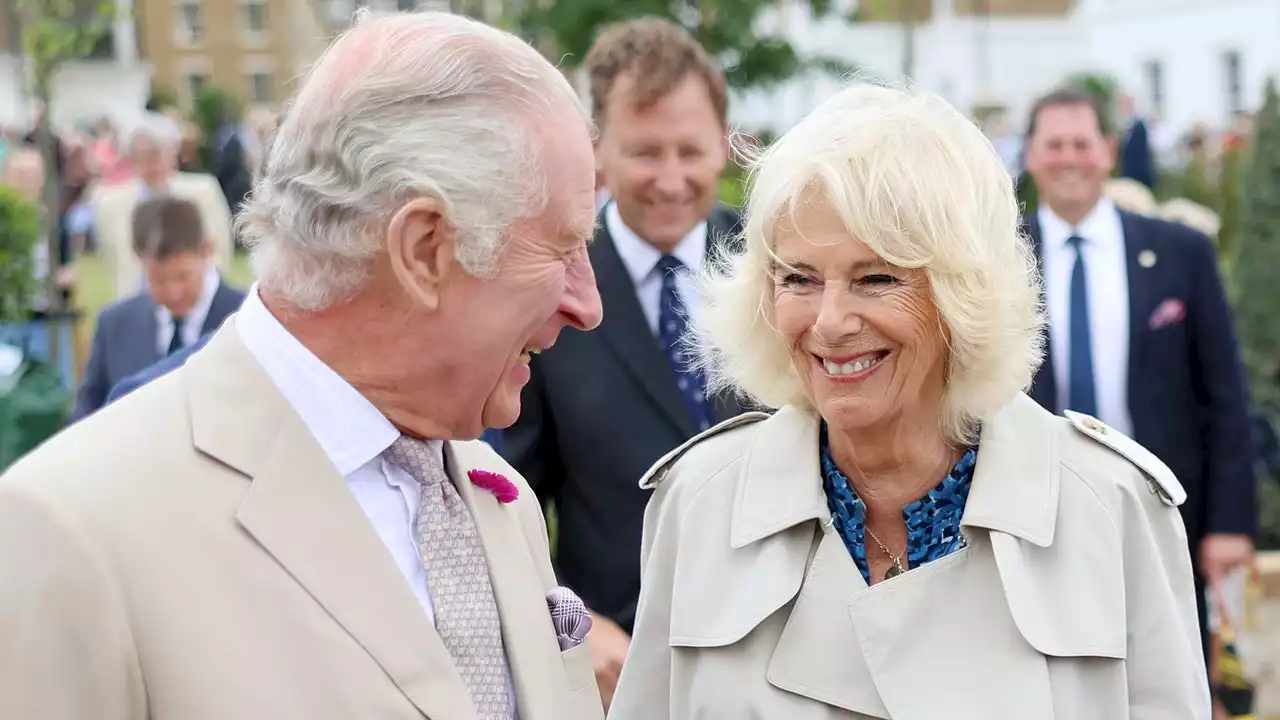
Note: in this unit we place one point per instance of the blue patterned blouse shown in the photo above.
(933, 521)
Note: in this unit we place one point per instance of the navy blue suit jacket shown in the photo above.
(1136, 162)
(146, 375)
(124, 343)
(1186, 383)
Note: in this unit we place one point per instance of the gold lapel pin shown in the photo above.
(1147, 258)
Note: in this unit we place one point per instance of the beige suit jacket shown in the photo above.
(1072, 601)
(113, 208)
(189, 553)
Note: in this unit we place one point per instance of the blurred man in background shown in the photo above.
(1140, 332)
(602, 407)
(152, 152)
(185, 299)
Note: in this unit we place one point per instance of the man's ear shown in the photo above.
(420, 246)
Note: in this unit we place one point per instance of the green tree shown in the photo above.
(210, 109)
(53, 33)
(726, 28)
(1257, 250)
(19, 236)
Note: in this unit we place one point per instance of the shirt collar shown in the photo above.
(200, 311)
(640, 258)
(1097, 227)
(348, 428)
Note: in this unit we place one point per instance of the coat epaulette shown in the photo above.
(1160, 479)
(658, 472)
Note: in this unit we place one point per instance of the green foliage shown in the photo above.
(210, 109)
(726, 28)
(52, 35)
(1104, 89)
(1257, 253)
(19, 236)
(1257, 247)
(162, 98)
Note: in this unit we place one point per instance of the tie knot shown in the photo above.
(422, 459)
(669, 264)
(1075, 241)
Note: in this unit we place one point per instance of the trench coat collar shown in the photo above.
(1015, 484)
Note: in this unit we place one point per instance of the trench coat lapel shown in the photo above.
(889, 650)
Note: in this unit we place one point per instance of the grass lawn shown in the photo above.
(94, 291)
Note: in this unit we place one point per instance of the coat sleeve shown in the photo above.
(1165, 662)
(66, 651)
(1231, 485)
(644, 687)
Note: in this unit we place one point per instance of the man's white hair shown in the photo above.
(158, 129)
(922, 187)
(401, 106)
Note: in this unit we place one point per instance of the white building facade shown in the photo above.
(116, 86)
(1185, 61)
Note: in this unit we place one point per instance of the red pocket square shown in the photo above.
(1169, 312)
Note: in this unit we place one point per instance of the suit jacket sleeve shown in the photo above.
(96, 384)
(66, 651)
(1230, 485)
(530, 445)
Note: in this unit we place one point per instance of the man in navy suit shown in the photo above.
(1140, 332)
(185, 299)
(152, 372)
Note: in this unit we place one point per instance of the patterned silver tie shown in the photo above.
(457, 577)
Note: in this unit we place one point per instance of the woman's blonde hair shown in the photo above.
(921, 186)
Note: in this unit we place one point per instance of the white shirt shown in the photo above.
(194, 322)
(1107, 282)
(641, 260)
(352, 433)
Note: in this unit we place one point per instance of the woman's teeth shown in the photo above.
(850, 367)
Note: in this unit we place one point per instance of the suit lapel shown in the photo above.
(626, 332)
(144, 350)
(300, 511)
(527, 632)
(226, 300)
(1143, 295)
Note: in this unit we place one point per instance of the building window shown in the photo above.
(255, 17)
(191, 21)
(196, 83)
(261, 88)
(1153, 71)
(1232, 81)
(406, 5)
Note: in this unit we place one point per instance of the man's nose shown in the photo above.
(581, 303)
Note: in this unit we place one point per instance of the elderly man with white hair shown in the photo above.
(298, 523)
(153, 152)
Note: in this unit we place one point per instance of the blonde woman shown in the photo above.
(909, 536)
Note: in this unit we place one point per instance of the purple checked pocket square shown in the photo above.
(569, 617)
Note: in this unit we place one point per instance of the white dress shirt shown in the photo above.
(1107, 281)
(354, 435)
(641, 260)
(194, 321)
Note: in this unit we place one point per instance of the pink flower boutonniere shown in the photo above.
(502, 488)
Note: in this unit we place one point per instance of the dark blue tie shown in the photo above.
(671, 328)
(1081, 396)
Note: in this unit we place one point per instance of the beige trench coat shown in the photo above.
(1072, 601)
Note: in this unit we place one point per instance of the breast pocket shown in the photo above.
(578, 667)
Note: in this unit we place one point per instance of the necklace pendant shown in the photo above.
(894, 571)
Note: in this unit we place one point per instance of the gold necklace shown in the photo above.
(897, 568)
